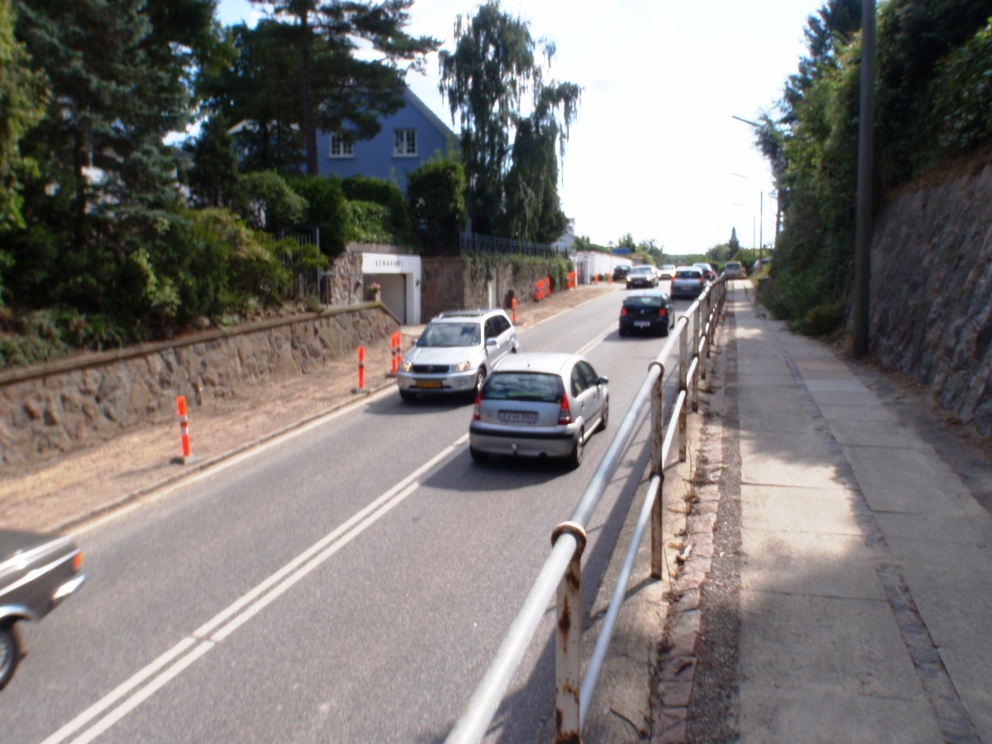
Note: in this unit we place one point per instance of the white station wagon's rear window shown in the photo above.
(530, 386)
(689, 274)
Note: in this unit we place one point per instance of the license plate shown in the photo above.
(517, 417)
(642, 323)
(432, 384)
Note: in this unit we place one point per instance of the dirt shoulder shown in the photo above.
(63, 492)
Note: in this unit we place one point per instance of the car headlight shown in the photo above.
(406, 365)
(462, 367)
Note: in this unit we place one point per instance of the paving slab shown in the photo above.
(872, 433)
(809, 563)
(784, 716)
(805, 510)
(840, 643)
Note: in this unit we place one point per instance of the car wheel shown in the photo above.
(478, 455)
(480, 378)
(575, 459)
(10, 653)
(605, 420)
(407, 396)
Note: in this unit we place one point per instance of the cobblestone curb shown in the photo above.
(675, 675)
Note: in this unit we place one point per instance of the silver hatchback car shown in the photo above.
(539, 405)
(455, 353)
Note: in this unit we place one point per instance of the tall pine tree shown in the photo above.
(339, 92)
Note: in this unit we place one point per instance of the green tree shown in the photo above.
(339, 92)
(267, 202)
(22, 105)
(436, 194)
(213, 177)
(485, 80)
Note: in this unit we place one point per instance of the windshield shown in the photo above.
(450, 335)
(531, 386)
(641, 270)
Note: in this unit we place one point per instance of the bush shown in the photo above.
(436, 194)
(826, 318)
(267, 202)
(326, 208)
(387, 194)
(368, 222)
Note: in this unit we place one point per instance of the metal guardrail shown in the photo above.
(562, 571)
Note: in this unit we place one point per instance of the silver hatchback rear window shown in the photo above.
(530, 386)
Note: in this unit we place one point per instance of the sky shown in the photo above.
(654, 150)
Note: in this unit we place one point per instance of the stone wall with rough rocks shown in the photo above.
(931, 292)
(447, 284)
(65, 405)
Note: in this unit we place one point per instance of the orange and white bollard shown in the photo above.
(361, 371)
(394, 342)
(187, 455)
(513, 306)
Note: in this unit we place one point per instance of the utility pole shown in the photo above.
(761, 226)
(866, 126)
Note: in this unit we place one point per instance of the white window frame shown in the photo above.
(345, 149)
(405, 143)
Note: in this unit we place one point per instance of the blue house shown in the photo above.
(408, 138)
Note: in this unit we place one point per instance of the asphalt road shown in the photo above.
(348, 583)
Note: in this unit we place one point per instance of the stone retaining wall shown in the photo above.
(63, 406)
(447, 284)
(931, 293)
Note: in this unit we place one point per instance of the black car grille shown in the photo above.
(428, 369)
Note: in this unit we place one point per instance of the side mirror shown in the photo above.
(490, 342)
(416, 341)
(603, 380)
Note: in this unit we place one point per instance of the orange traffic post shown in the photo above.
(361, 371)
(513, 305)
(187, 455)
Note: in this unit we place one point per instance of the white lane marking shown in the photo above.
(598, 339)
(120, 691)
(236, 606)
(237, 459)
(330, 544)
(248, 614)
(154, 686)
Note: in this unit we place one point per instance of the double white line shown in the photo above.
(184, 654)
(204, 638)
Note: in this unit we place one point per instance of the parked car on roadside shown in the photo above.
(642, 276)
(760, 264)
(648, 311)
(456, 352)
(666, 271)
(620, 273)
(734, 270)
(689, 281)
(539, 405)
(37, 572)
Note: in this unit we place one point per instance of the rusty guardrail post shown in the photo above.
(657, 468)
(568, 644)
(683, 386)
(695, 355)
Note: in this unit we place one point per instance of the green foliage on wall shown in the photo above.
(934, 104)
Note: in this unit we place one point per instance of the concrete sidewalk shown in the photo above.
(866, 561)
